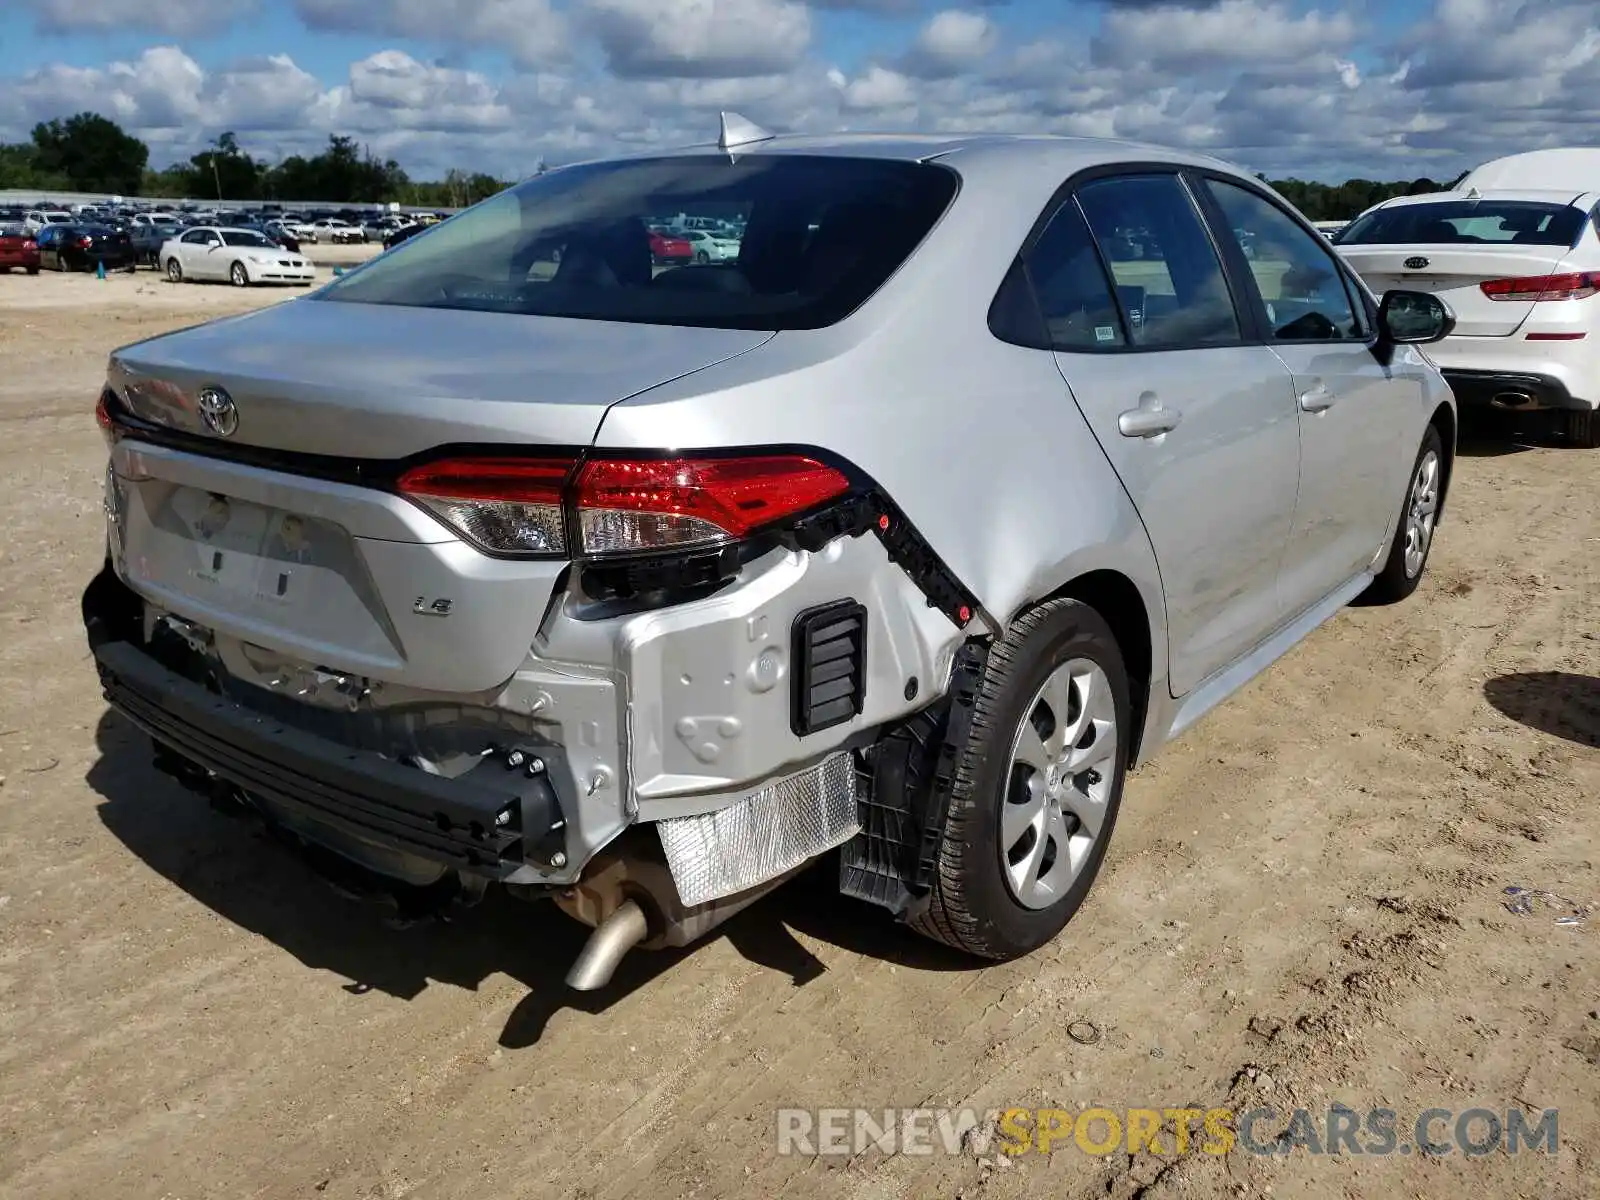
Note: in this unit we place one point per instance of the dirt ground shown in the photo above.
(1304, 905)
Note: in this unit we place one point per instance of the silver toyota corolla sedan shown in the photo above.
(532, 554)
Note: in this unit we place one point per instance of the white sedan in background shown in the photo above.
(1520, 269)
(335, 231)
(240, 256)
(708, 248)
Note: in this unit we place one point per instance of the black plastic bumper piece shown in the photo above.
(487, 821)
(905, 797)
(1480, 389)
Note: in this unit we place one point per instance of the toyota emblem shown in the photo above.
(219, 412)
(1417, 263)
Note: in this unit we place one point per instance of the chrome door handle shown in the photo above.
(1148, 421)
(1316, 399)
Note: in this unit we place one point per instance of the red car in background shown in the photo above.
(665, 248)
(18, 249)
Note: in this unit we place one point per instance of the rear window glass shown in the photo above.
(814, 236)
(1511, 222)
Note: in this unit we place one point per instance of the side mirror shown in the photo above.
(1414, 318)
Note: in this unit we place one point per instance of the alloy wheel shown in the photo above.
(1421, 513)
(1063, 764)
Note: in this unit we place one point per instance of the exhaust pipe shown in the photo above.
(615, 936)
(1513, 400)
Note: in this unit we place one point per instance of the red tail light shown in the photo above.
(628, 506)
(622, 506)
(30, 244)
(504, 505)
(104, 418)
(1576, 286)
(86, 242)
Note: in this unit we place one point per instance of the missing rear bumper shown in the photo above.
(490, 821)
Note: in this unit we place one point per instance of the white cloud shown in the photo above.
(951, 42)
(1230, 33)
(530, 31)
(171, 18)
(878, 88)
(687, 39)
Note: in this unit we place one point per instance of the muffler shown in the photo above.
(629, 898)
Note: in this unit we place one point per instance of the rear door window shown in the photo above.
(1169, 281)
(1074, 296)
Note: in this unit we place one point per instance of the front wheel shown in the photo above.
(1038, 784)
(1413, 536)
(238, 275)
(174, 270)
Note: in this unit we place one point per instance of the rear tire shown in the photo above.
(33, 270)
(1583, 428)
(1419, 516)
(1001, 901)
(174, 271)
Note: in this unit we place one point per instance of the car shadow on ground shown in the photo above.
(1490, 434)
(1555, 702)
(248, 874)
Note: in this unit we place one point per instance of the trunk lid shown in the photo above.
(344, 577)
(386, 382)
(1454, 273)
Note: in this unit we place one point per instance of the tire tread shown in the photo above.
(948, 917)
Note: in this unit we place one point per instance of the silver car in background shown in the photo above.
(986, 467)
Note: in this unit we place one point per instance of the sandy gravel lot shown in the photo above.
(1304, 905)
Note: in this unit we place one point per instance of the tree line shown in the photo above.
(90, 153)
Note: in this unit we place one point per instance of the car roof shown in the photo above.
(1533, 195)
(1570, 168)
(1584, 201)
(969, 152)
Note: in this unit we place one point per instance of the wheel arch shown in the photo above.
(1121, 603)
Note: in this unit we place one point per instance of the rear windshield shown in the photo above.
(1514, 222)
(819, 236)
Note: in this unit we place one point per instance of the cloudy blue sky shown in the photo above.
(1390, 88)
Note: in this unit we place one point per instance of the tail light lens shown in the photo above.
(105, 418)
(1575, 286)
(30, 244)
(86, 242)
(633, 506)
(503, 505)
(621, 506)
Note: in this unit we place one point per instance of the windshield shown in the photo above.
(244, 237)
(58, 218)
(1446, 222)
(821, 235)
